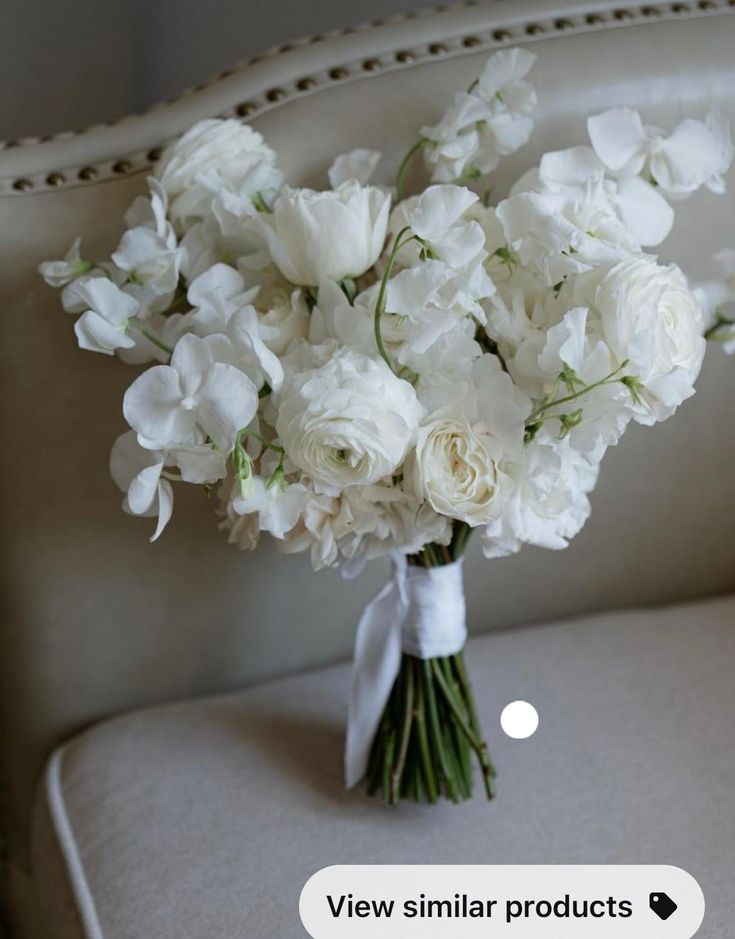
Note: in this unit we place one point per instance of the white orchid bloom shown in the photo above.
(105, 326)
(194, 398)
(696, 153)
(358, 165)
(138, 472)
(61, 273)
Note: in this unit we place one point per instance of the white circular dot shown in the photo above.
(519, 720)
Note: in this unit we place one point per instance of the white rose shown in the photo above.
(650, 318)
(348, 422)
(455, 470)
(314, 236)
(215, 155)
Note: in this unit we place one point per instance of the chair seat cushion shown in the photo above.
(205, 818)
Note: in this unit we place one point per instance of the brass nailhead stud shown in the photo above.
(436, 48)
(706, 5)
(276, 94)
(122, 166)
(470, 41)
(305, 84)
(564, 24)
(336, 74)
(55, 179)
(623, 15)
(534, 29)
(87, 172)
(680, 8)
(245, 109)
(22, 185)
(594, 19)
(650, 11)
(155, 154)
(502, 35)
(372, 65)
(404, 56)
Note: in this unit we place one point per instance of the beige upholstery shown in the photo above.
(206, 818)
(96, 620)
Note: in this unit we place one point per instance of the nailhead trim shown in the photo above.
(133, 164)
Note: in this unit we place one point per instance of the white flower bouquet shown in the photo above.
(366, 374)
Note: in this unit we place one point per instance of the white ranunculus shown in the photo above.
(332, 235)
(651, 319)
(349, 422)
(215, 155)
(469, 445)
(454, 470)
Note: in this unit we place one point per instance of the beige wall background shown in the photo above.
(65, 64)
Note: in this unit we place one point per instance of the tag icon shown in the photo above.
(662, 905)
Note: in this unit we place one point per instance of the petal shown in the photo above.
(228, 401)
(220, 278)
(198, 464)
(571, 167)
(618, 137)
(165, 507)
(438, 208)
(644, 211)
(504, 67)
(687, 158)
(152, 407)
(97, 335)
(244, 328)
(144, 489)
(357, 164)
(128, 458)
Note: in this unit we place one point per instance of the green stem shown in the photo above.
(400, 764)
(380, 303)
(436, 731)
(546, 404)
(430, 781)
(405, 163)
(150, 337)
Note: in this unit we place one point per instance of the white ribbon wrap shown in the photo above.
(421, 611)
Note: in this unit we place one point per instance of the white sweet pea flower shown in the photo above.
(194, 398)
(349, 422)
(223, 312)
(333, 235)
(437, 217)
(716, 298)
(696, 153)
(490, 121)
(650, 318)
(358, 165)
(213, 156)
(550, 503)
(106, 324)
(61, 273)
(151, 261)
(278, 506)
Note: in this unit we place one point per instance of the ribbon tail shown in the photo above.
(376, 667)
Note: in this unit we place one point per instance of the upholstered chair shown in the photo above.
(172, 713)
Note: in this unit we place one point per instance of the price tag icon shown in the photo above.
(662, 905)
